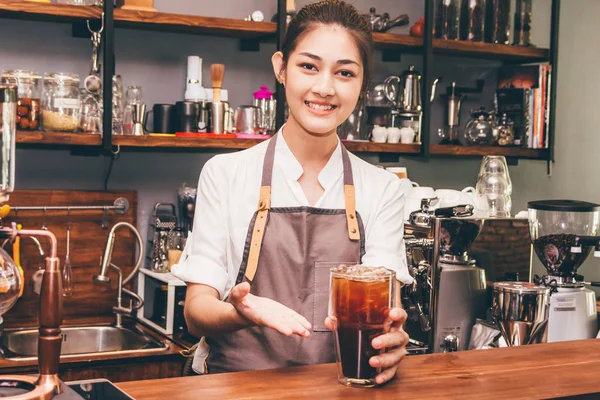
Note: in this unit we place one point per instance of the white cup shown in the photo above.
(379, 134)
(393, 135)
(422, 192)
(452, 198)
(407, 135)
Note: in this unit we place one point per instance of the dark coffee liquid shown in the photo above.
(354, 342)
(555, 253)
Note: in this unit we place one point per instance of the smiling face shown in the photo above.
(323, 80)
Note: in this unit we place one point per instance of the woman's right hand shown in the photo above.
(266, 312)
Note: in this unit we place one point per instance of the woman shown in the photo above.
(258, 277)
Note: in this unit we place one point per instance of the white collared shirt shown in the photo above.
(228, 193)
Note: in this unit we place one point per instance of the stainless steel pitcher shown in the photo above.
(408, 95)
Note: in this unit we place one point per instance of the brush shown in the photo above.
(217, 71)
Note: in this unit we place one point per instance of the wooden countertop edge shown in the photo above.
(540, 371)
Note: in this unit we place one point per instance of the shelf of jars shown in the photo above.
(479, 151)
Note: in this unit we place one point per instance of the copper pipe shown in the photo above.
(50, 319)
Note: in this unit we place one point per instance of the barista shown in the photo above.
(256, 275)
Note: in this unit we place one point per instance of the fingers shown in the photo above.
(397, 316)
(240, 291)
(386, 375)
(388, 360)
(329, 323)
(292, 325)
(395, 338)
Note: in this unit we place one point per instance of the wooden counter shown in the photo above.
(537, 371)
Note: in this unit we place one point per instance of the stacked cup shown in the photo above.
(494, 189)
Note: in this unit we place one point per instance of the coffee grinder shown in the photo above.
(449, 291)
(564, 233)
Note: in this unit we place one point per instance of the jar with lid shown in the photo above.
(447, 17)
(501, 22)
(28, 84)
(523, 23)
(506, 135)
(61, 102)
(266, 105)
(479, 129)
(472, 20)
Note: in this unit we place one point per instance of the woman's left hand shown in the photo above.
(394, 342)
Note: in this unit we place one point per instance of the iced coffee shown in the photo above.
(360, 300)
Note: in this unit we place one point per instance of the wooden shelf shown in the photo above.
(479, 151)
(52, 12)
(214, 26)
(370, 147)
(58, 138)
(388, 41)
(49, 12)
(490, 51)
(183, 142)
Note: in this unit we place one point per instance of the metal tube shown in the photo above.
(435, 283)
(108, 70)
(427, 78)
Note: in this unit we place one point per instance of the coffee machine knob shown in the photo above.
(451, 344)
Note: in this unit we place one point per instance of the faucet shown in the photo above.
(105, 263)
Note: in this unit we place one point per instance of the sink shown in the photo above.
(81, 340)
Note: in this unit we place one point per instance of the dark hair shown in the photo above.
(332, 12)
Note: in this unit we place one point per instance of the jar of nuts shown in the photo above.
(28, 85)
(61, 102)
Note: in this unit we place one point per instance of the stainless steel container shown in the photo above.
(8, 133)
(521, 312)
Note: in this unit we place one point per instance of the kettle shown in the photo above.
(382, 23)
(408, 96)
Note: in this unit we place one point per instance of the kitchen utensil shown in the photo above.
(494, 188)
(68, 285)
(187, 204)
(194, 91)
(93, 82)
(383, 22)
(453, 99)
(217, 116)
(217, 71)
(266, 105)
(139, 119)
(163, 118)
(408, 95)
(564, 233)
(118, 105)
(247, 119)
(164, 221)
(520, 311)
(134, 95)
(481, 128)
(186, 116)
(523, 23)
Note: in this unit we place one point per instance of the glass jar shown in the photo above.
(523, 23)
(61, 102)
(480, 128)
(506, 133)
(473, 20)
(28, 85)
(501, 18)
(447, 18)
(8, 133)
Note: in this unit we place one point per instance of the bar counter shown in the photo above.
(534, 372)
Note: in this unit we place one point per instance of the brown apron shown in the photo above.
(287, 257)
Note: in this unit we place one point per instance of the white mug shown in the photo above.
(393, 135)
(423, 192)
(451, 198)
(380, 134)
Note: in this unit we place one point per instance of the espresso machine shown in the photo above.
(449, 291)
(563, 234)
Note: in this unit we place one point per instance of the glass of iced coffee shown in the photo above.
(359, 304)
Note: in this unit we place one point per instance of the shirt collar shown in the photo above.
(292, 169)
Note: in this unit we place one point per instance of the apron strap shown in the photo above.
(264, 205)
(349, 197)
